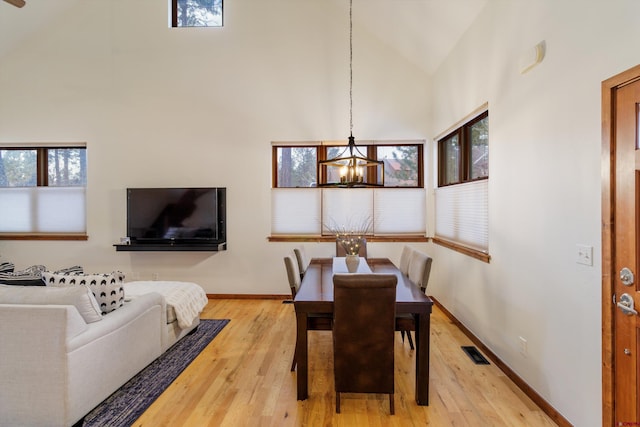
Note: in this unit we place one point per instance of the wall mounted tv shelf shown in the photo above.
(163, 247)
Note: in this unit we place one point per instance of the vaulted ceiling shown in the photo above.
(424, 31)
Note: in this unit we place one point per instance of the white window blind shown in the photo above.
(346, 207)
(400, 211)
(462, 214)
(43, 210)
(295, 211)
(298, 211)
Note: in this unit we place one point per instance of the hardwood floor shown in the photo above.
(243, 378)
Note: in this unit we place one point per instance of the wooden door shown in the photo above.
(620, 256)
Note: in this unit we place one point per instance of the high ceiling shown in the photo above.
(424, 31)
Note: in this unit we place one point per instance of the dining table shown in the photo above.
(315, 298)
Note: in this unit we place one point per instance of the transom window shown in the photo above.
(196, 13)
(42, 190)
(297, 165)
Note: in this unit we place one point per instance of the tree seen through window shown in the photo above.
(196, 13)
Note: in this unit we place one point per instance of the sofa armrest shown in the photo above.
(33, 357)
(54, 368)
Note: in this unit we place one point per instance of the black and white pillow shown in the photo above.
(7, 267)
(31, 276)
(107, 288)
(76, 269)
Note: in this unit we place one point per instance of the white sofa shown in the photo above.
(57, 363)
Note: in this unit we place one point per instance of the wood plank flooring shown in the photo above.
(243, 378)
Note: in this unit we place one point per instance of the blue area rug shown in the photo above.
(126, 405)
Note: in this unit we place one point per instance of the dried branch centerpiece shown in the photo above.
(352, 237)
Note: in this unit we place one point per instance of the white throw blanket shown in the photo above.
(187, 299)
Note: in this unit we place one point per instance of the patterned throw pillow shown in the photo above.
(76, 269)
(107, 288)
(6, 267)
(31, 276)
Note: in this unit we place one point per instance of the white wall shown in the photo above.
(544, 190)
(197, 107)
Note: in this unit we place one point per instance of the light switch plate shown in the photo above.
(584, 254)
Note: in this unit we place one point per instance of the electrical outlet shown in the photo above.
(584, 254)
(523, 347)
(154, 276)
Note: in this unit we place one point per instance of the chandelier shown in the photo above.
(351, 168)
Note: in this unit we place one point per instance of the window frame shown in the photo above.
(371, 152)
(42, 180)
(463, 133)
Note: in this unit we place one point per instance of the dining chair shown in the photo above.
(405, 259)
(419, 272)
(302, 259)
(315, 322)
(362, 251)
(364, 308)
(420, 269)
(293, 274)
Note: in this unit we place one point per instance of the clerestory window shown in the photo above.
(196, 13)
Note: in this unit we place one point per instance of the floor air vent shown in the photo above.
(475, 355)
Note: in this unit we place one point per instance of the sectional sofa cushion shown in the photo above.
(107, 288)
(79, 296)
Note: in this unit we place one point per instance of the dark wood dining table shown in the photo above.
(315, 297)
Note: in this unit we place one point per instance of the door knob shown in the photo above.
(626, 305)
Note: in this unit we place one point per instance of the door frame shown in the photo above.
(609, 89)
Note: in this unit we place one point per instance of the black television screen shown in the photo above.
(176, 215)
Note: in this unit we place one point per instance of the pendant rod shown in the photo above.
(351, 67)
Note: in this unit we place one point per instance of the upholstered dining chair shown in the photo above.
(302, 259)
(420, 269)
(364, 308)
(293, 274)
(315, 322)
(405, 259)
(362, 251)
(419, 272)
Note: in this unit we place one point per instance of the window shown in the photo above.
(42, 190)
(463, 155)
(402, 165)
(196, 13)
(461, 199)
(301, 208)
(297, 165)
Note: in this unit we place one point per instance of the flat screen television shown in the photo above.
(192, 216)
